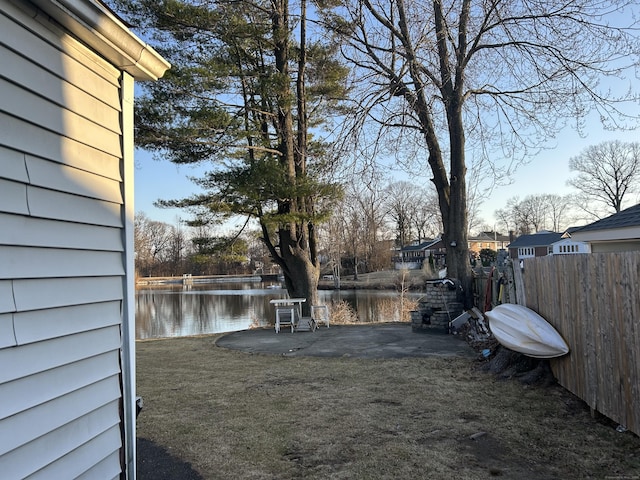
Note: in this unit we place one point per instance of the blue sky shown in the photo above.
(548, 171)
(545, 173)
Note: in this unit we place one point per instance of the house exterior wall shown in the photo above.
(612, 246)
(611, 239)
(477, 245)
(66, 257)
(528, 252)
(568, 246)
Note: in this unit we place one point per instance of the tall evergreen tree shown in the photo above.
(246, 86)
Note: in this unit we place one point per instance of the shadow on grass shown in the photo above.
(156, 463)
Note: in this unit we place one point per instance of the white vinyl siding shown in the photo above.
(7, 336)
(62, 253)
(13, 133)
(47, 450)
(7, 303)
(38, 325)
(17, 228)
(46, 293)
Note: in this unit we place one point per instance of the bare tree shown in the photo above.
(607, 174)
(534, 209)
(354, 231)
(507, 72)
(400, 200)
(426, 215)
(364, 227)
(159, 247)
(558, 211)
(505, 218)
(176, 250)
(535, 213)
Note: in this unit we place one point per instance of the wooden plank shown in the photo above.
(625, 353)
(39, 111)
(35, 294)
(57, 90)
(7, 303)
(36, 262)
(567, 330)
(38, 325)
(33, 390)
(7, 336)
(598, 307)
(67, 179)
(35, 422)
(18, 134)
(37, 357)
(594, 366)
(619, 367)
(12, 165)
(47, 450)
(631, 307)
(13, 197)
(518, 278)
(27, 231)
(585, 338)
(63, 206)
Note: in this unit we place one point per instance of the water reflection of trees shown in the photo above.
(171, 311)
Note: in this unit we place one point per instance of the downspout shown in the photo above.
(128, 354)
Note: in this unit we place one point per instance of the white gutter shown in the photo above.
(94, 25)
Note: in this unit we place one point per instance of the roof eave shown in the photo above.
(98, 28)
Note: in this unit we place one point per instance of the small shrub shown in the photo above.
(257, 322)
(343, 313)
(396, 309)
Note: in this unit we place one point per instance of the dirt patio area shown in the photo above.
(380, 340)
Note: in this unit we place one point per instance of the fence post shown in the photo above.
(518, 279)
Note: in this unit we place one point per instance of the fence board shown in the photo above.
(593, 301)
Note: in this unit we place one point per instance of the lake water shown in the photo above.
(182, 310)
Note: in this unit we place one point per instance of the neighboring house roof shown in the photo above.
(629, 217)
(420, 246)
(624, 225)
(540, 239)
(489, 237)
(570, 230)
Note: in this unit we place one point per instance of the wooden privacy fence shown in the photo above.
(593, 300)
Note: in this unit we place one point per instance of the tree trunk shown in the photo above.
(301, 280)
(298, 257)
(452, 88)
(456, 231)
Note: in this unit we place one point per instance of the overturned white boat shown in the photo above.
(523, 330)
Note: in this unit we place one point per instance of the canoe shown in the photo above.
(523, 330)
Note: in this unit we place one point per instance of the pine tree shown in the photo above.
(242, 93)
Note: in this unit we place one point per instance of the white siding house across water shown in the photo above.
(66, 350)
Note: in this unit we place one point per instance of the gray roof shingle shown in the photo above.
(543, 239)
(422, 246)
(629, 217)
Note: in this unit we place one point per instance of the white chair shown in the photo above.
(285, 316)
(320, 314)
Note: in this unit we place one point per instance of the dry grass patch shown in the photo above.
(242, 416)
